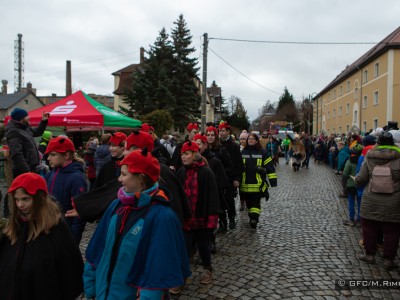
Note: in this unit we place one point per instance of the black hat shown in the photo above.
(385, 139)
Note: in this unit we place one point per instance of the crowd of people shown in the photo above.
(145, 192)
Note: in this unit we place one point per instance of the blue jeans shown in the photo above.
(287, 157)
(351, 201)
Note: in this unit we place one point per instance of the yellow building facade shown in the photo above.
(366, 95)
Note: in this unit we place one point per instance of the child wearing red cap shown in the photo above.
(200, 186)
(66, 179)
(39, 258)
(111, 169)
(124, 259)
(222, 179)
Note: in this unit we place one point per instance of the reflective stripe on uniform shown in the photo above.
(254, 210)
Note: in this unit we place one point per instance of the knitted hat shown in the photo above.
(396, 135)
(47, 135)
(18, 114)
(385, 139)
(142, 162)
(357, 149)
(117, 138)
(224, 124)
(376, 132)
(212, 128)
(146, 127)
(60, 144)
(141, 140)
(190, 146)
(192, 126)
(201, 137)
(369, 140)
(31, 182)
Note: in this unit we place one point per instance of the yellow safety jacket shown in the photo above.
(253, 180)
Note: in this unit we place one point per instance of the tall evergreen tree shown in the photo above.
(152, 87)
(184, 89)
(286, 109)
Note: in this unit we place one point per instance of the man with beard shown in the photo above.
(20, 135)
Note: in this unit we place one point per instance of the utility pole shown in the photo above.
(204, 85)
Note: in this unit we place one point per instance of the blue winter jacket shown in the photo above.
(64, 183)
(101, 156)
(343, 156)
(136, 247)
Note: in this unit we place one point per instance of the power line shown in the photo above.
(295, 43)
(244, 75)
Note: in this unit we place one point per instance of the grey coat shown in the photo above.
(24, 150)
(374, 206)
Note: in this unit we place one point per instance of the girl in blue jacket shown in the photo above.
(137, 250)
(66, 180)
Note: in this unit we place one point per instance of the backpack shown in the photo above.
(381, 180)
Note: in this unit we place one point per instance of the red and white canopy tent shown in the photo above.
(79, 112)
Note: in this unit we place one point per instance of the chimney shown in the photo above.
(4, 87)
(29, 86)
(68, 90)
(141, 55)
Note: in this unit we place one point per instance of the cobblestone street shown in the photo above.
(298, 251)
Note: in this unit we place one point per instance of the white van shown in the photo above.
(281, 135)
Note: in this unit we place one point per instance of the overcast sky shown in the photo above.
(100, 37)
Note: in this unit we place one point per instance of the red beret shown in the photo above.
(142, 162)
(224, 125)
(192, 126)
(31, 182)
(212, 128)
(117, 138)
(190, 146)
(201, 137)
(141, 140)
(146, 127)
(60, 144)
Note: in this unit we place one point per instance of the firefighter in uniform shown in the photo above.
(258, 166)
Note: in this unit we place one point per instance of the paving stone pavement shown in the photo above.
(298, 251)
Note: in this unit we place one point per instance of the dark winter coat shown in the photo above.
(233, 150)
(92, 205)
(49, 267)
(374, 206)
(222, 179)
(24, 150)
(64, 183)
(208, 199)
(101, 156)
(110, 170)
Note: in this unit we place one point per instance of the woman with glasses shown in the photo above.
(257, 166)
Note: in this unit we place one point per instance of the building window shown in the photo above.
(334, 113)
(347, 128)
(340, 129)
(329, 114)
(333, 130)
(341, 91)
(376, 70)
(26, 101)
(355, 117)
(364, 126)
(348, 85)
(347, 108)
(376, 98)
(340, 110)
(334, 94)
(365, 102)
(356, 91)
(375, 123)
(365, 76)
